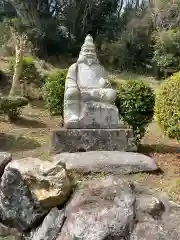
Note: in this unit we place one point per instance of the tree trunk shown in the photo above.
(16, 85)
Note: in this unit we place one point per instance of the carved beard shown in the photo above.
(87, 60)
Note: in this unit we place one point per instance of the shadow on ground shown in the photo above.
(37, 104)
(158, 148)
(29, 123)
(11, 143)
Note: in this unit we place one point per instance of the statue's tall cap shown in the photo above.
(88, 42)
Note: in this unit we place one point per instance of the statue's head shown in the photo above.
(88, 52)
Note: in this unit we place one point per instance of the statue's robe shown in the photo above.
(95, 110)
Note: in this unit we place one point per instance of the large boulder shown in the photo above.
(18, 207)
(28, 189)
(49, 183)
(108, 162)
(109, 208)
(100, 209)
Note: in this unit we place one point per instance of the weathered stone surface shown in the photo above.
(156, 217)
(167, 228)
(49, 183)
(75, 140)
(170, 222)
(18, 208)
(113, 162)
(5, 158)
(149, 207)
(149, 231)
(97, 115)
(9, 233)
(101, 209)
(50, 227)
(109, 208)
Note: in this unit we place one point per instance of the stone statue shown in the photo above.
(89, 98)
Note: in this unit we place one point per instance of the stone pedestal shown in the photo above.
(84, 140)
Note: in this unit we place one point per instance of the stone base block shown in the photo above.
(84, 140)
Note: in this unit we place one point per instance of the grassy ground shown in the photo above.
(30, 136)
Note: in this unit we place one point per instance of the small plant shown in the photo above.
(29, 71)
(135, 101)
(12, 106)
(53, 92)
(29, 78)
(167, 106)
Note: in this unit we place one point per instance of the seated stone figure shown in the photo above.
(89, 98)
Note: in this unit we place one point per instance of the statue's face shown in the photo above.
(88, 52)
(88, 56)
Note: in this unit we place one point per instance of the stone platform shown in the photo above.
(84, 140)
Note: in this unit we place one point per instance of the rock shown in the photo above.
(49, 183)
(50, 227)
(149, 207)
(171, 223)
(76, 140)
(18, 207)
(5, 158)
(101, 209)
(9, 233)
(149, 231)
(166, 229)
(114, 162)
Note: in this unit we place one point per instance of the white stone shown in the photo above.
(89, 100)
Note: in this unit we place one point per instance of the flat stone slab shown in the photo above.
(108, 162)
(84, 140)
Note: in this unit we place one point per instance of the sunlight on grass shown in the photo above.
(125, 76)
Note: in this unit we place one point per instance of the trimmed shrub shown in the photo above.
(12, 106)
(53, 92)
(167, 106)
(135, 101)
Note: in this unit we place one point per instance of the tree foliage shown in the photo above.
(124, 30)
(167, 50)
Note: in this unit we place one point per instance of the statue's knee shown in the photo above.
(111, 95)
(72, 94)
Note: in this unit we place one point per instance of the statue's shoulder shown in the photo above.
(73, 67)
(72, 71)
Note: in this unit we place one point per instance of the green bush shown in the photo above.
(12, 106)
(135, 101)
(167, 106)
(29, 72)
(53, 92)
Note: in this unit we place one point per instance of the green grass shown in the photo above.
(125, 76)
